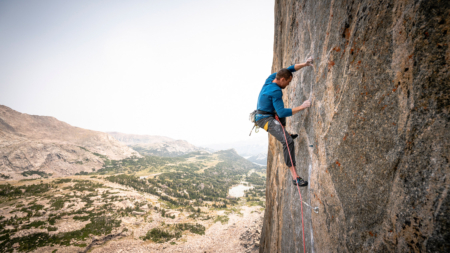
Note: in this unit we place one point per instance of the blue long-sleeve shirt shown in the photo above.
(271, 98)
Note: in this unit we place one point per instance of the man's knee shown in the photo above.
(289, 140)
(291, 144)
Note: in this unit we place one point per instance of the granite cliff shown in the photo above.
(375, 144)
(44, 144)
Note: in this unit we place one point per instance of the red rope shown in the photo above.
(301, 200)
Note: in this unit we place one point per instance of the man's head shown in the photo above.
(283, 78)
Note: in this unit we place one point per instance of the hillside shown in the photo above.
(378, 168)
(32, 145)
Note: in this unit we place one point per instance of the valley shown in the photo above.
(170, 204)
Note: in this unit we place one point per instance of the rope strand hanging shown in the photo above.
(298, 188)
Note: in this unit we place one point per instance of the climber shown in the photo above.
(270, 102)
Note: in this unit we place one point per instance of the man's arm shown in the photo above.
(270, 79)
(305, 105)
(278, 104)
(301, 65)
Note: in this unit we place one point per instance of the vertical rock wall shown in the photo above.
(379, 125)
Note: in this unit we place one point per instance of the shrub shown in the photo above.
(159, 235)
(222, 218)
(34, 224)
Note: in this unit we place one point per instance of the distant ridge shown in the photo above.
(131, 139)
(45, 145)
(156, 145)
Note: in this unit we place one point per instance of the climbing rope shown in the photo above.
(298, 188)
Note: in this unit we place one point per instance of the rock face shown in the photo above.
(45, 144)
(378, 125)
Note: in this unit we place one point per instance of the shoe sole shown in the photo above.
(303, 185)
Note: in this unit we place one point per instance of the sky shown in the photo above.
(189, 70)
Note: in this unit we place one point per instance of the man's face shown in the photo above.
(283, 83)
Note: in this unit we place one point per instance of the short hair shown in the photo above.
(284, 73)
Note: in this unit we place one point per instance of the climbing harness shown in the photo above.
(298, 188)
(252, 118)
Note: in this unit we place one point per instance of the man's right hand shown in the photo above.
(309, 62)
(306, 104)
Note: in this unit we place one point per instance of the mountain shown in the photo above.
(260, 159)
(251, 147)
(375, 143)
(41, 145)
(133, 139)
(156, 145)
(234, 160)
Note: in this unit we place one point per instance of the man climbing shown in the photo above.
(270, 102)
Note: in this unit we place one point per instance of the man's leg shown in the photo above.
(283, 122)
(276, 131)
(293, 172)
(274, 128)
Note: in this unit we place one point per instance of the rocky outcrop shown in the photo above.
(45, 144)
(378, 128)
(251, 237)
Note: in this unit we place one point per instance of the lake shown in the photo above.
(238, 190)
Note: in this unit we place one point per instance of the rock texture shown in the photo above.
(378, 125)
(45, 144)
(251, 237)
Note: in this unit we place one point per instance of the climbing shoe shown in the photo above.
(300, 182)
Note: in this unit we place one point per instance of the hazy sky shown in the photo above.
(188, 70)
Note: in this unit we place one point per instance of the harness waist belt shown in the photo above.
(264, 113)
